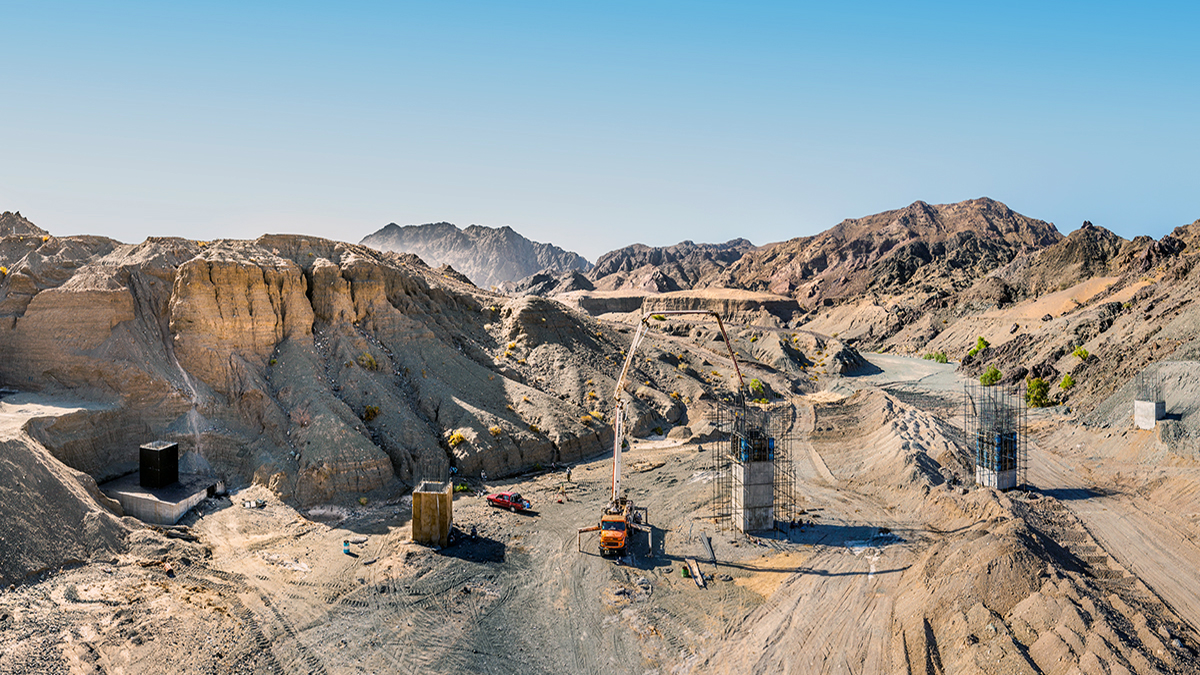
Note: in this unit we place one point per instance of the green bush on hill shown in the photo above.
(990, 376)
(1037, 392)
(980, 345)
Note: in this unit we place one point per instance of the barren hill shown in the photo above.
(14, 224)
(488, 256)
(661, 269)
(945, 246)
(316, 367)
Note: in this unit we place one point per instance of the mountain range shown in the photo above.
(488, 256)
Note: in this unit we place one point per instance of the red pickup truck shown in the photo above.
(509, 500)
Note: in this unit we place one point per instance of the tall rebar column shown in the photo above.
(996, 423)
(753, 476)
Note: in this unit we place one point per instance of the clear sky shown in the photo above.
(592, 124)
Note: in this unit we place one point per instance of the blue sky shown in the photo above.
(592, 125)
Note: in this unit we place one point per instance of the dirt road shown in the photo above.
(1145, 538)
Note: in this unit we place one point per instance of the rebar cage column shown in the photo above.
(996, 423)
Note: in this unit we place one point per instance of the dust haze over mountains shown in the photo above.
(315, 372)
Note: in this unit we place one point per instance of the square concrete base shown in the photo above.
(161, 506)
(1146, 413)
(1001, 480)
(754, 496)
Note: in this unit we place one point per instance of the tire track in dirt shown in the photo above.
(1134, 537)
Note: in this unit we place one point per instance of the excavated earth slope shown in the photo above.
(315, 367)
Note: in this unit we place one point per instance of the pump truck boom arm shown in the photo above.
(619, 406)
(621, 515)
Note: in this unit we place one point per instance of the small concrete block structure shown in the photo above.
(754, 496)
(165, 505)
(433, 513)
(1001, 480)
(158, 464)
(1146, 413)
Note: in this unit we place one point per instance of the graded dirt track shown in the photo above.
(1147, 537)
(898, 567)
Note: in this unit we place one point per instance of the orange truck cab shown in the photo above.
(612, 533)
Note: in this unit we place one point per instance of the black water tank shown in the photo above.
(159, 466)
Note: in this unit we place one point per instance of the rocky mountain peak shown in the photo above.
(13, 224)
(666, 268)
(488, 256)
(935, 245)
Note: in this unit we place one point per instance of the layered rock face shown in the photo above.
(315, 367)
(488, 256)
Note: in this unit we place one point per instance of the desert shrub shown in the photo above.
(1080, 353)
(367, 360)
(596, 414)
(585, 420)
(370, 413)
(301, 417)
(658, 431)
(456, 439)
(756, 387)
(675, 395)
(3, 271)
(754, 339)
(990, 376)
(462, 487)
(980, 345)
(682, 366)
(534, 428)
(495, 430)
(1067, 382)
(1037, 392)
(272, 361)
(939, 357)
(591, 396)
(658, 317)
(590, 382)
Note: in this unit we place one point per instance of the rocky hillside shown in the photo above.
(14, 224)
(683, 266)
(943, 247)
(488, 256)
(1127, 303)
(318, 368)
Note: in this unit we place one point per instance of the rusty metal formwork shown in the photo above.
(996, 425)
(751, 433)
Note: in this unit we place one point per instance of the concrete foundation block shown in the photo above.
(1146, 413)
